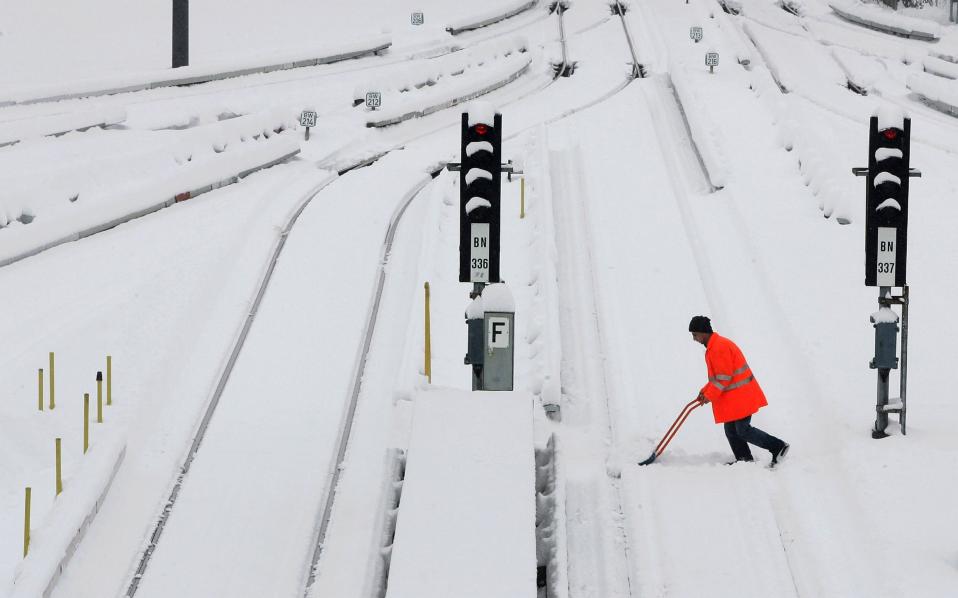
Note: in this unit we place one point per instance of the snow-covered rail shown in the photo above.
(218, 391)
(347, 425)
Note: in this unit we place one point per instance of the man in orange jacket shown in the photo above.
(734, 393)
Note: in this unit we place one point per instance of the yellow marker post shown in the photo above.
(59, 479)
(26, 523)
(522, 197)
(40, 389)
(86, 421)
(52, 402)
(109, 379)
(428, 365)
(99, 397)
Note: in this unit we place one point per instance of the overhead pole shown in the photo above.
(181, 33)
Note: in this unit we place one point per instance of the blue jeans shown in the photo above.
(741, 433)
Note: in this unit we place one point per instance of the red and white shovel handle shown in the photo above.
(674, 428)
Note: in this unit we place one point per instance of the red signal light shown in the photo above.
(890, 134)
(481, 129)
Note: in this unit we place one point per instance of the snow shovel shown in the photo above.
(696, 402)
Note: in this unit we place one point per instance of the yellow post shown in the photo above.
(86, 421)
(99, 397)
(109, 379)
(59, 471)
(26, 523)
(40, 387)
(522, 197)
(52, 402)
(428, 339)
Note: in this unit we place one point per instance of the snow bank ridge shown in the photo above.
(449, 91)
(189, 75)
(107, 209)
(14, 131)
(941, 94)
(53, 543)
(489, 16)
(704, 136)
(886, 21)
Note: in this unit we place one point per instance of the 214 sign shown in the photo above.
(307, 118)
(417, 18)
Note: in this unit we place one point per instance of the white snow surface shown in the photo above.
(478, 146)
(604, 275)
(475, 203)
(481, 111)
(886, 177)
(889, 203)
(498, 298)
(467, 512)
(477, 173)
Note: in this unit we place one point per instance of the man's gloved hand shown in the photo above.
(702, 399)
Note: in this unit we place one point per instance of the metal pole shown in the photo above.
(26, 522)
(86, 421)
(904, 356)
(181, 33)
(59, 471)
(881, 416)
(52, 383)
(99, 397)
(428, 365)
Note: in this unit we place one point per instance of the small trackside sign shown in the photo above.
(711, 59)
(374, 99)
(887, 256)
(696, 34)
(498, 332)
(479, 252)
(417, 18)
(307, 118)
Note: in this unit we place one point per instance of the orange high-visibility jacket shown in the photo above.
(732, 389)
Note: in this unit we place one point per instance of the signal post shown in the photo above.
(490, 342)
(886, 249)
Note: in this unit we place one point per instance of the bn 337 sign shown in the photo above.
(887, 256)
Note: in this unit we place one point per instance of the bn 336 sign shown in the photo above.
(479, 253)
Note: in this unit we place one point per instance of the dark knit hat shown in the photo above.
(700, 324)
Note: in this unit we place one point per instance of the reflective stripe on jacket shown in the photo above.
(732, 388)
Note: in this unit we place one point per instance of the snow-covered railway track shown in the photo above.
(192, 574)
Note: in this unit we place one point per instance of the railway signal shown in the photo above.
(886, 202)
(886, 238)
(479, 197)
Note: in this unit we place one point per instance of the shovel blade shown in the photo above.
(649, 460)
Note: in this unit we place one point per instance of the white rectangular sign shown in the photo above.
(498, 332)
(711, 59)
(307, 118)
(374, 99)
(887, 253)
(695, 33)
(479, 253)
(417, 18)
